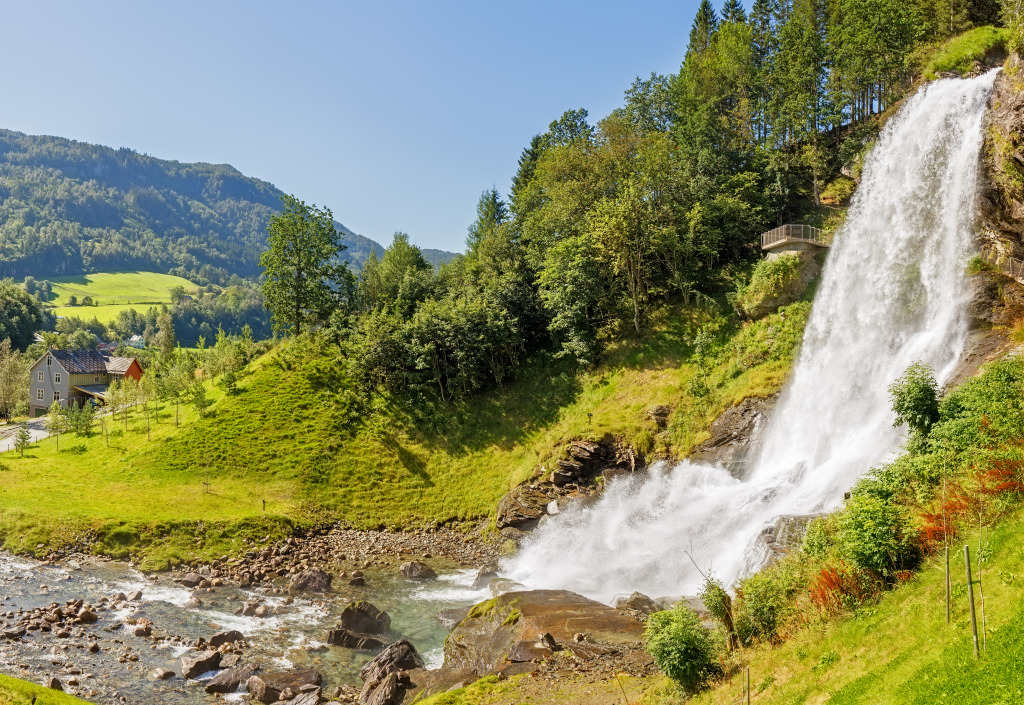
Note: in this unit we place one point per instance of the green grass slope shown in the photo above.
(901, 650)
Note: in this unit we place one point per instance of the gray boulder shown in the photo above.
(363, 618)
(229, 680)
(417, 571)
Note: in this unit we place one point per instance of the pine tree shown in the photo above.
(491, 212)
(704, 26)
(23, 438)
(733, 11)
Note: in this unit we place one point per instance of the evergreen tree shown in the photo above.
(733, 11)
(56, 421)
(23, 438)
(527, 164)
(704, 26)
(305, 279)
(491, 212)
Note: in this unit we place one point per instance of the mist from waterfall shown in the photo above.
(893, 291)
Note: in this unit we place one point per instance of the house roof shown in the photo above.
(91, 362)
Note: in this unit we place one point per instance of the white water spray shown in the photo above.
(893, 292)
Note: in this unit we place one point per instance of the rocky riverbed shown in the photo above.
(106, 632)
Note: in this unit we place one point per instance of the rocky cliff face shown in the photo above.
(1001, 209)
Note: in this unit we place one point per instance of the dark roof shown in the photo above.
(91, 362)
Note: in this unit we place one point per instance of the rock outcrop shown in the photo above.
(521, 627)
(1001, 204)
(385, 678)
(734, 434)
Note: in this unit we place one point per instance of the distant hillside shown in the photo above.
(68, 207)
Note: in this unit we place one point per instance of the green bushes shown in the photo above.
(765, 600)
(876, 536)
(915, 399)
(683, 649)
(773, 282)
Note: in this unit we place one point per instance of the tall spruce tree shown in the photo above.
(491, 212)
(704, 26)
(733, 11)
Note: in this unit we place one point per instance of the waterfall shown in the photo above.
(893, 291)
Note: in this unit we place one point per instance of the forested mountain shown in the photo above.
(69, 207)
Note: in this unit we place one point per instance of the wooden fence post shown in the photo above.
(748, 685)
(970, 597)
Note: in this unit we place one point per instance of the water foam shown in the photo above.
(893, 292)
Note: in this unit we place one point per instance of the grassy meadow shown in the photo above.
(113, 292)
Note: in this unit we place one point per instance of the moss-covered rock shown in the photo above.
(776, 282)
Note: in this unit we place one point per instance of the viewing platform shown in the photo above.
(794, 238)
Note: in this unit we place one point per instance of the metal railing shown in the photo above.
(1010, 266)
(805, 233)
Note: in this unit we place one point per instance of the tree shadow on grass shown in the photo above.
(410, 461)
(73, 450)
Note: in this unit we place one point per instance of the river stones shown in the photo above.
(311, 580)
(363, 618)
(53, 683)
(267, 687)
(415, 570)
(160, 674)
(225, 637)
(87, 617)
(228, 681)
(197, 662)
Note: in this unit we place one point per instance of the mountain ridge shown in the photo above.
(72, 207)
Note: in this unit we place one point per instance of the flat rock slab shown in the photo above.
(521, 626)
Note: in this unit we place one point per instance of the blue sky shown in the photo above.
(395, 115)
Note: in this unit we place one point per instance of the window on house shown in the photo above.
(39, 394)
(96, 378)
(56, 377)
(40, 376)
(49, 360)
(56, 396)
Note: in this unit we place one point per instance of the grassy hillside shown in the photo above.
(298, 434)
(113, 292)
(901, 651)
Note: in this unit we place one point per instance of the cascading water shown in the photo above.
(893, 292)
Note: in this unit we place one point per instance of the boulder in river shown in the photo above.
(53, 683)
(195, 663)
(363, 618)
(267, 687)
(417, 571)
(192, 580)
(311, 580)
(228, 681)
(225, 637)
(351, 640)
(160, 674)
(382, 681)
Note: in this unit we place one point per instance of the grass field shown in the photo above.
(113, 292)
(299, 436)
(18, 692)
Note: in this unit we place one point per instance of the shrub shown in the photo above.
(764, 601)
(683, 649)
(841, 587)
(771, 280)
(915, 398)
(876, 535)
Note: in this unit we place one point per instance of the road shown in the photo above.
(36, 428)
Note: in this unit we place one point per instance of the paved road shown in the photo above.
(36, 429)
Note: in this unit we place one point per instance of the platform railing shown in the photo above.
(806, 233)
(1010, 266)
